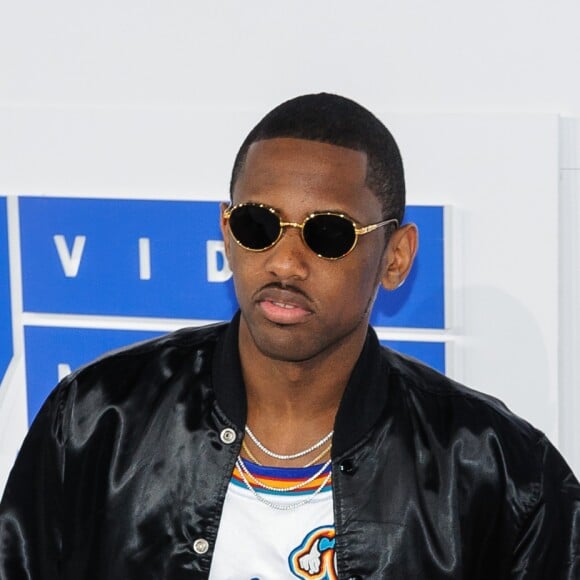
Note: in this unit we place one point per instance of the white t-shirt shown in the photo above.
(258, 542)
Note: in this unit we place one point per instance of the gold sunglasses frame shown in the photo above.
(358, 230)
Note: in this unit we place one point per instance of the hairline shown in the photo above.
(241, 161)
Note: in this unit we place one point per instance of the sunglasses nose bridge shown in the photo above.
(284, 225)
(291, 225)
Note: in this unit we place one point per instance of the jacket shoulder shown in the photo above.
(142, 375)
(508, 465)
(451, 404)
(180, 344)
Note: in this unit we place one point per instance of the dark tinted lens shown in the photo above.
(330, 236)
(254, 227)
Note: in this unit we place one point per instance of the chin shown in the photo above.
(287, 351)
(298, 343)
(297, 347)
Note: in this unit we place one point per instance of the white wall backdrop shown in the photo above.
(151, 100)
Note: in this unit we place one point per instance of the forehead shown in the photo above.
(318, 175)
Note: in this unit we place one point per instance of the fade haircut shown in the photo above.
(336, 120)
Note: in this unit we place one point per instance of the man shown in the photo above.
(288, 443)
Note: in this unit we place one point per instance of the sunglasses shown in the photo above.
(329, 235)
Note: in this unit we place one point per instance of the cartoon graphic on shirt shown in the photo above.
(314, 559)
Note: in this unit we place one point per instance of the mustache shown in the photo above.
(285, 287)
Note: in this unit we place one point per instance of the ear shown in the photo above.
(399, 256)
(224, 228)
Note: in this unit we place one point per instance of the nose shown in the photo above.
(288, 259)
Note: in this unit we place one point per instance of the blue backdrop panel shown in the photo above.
(108, 280)
(47, 347)
(5, 307)
(431, 353)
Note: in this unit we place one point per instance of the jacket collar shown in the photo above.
(227, 378)
(362, 404)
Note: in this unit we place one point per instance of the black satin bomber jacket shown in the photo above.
(127, 465)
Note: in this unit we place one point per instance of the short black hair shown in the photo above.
(336, 120)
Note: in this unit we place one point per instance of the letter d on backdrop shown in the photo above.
(216, 257)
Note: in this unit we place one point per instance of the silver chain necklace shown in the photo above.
(280, 506)
(265, 450)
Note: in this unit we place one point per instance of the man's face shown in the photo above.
(296, 306)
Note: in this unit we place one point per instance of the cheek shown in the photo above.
(235, 256)
(247, 269)
(355, 283)
(367, 270)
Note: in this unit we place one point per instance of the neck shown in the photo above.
(293, 404)
(305, 388)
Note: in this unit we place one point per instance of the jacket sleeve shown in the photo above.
(549, 541)
(31, 508)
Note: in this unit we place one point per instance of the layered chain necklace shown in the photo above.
(251, 482)
(265, 450)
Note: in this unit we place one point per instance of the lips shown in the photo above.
(283, 306)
